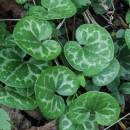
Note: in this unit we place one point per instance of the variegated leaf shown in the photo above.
(95, 51)
(104, 106)
(53, 9)
(57, 79)
(31, 35)
(13, 99)
(16, 72)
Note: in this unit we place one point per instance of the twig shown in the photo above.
(58, 27)
(60, 24)
(86, 18)
(56, 61)
(34, 2)
(110, 23)
(117, 121)
(91, 17)
(9, 20)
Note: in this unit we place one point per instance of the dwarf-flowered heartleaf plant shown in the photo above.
(53, 9)
(26, 70)
(14, 68)
(104, 106)
(55, 81)
(93, 51)
(31, 35)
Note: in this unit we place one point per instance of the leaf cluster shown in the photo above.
(92, 61)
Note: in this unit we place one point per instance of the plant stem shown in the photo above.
(86, 18)
(9, 20)
(117, 121)
(56, 61)
(34, 2)
(91, 17)
(60, 24)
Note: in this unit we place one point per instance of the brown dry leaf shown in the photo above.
(35, 114)
(53, 125)
(10, 5)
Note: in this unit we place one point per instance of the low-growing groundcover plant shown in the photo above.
(93, 60)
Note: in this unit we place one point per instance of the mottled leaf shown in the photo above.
(57, 79)
(53, 9)
(94, 52)
(31, 36)
(104, 106)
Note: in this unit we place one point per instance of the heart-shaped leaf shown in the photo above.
(13, 99)
(108, 74)
(54, 9)
(57, 79)
(18, 73)
(104, 106)
(30, 35)
(94, 52)
(4, 120)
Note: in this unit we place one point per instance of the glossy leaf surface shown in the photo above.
(93, 52)
(16, 72)
(57, 79)
(53, 9)
(31, 36)
(13, 99)
(104, 106)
